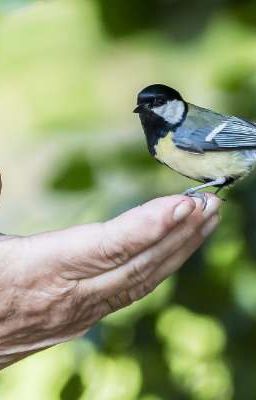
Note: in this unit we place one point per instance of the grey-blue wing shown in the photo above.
(204, 130)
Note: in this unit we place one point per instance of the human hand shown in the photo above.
(58, 284)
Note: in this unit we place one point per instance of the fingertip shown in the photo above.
(162, 206)
(160, 215)
(212, 206)
(208, 208)
(183, 209)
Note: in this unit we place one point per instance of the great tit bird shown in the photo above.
(201, 144)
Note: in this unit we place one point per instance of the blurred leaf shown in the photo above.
(74, 175)
(223, 258)
(73, 388)
(148, 350)
(245, 11)
(123, 18)
(201, 380)
(150, 397)
(126, 18)
(194, 344)
(109, 378)
(240, 86)
(47, 371)
(135, 158)
(196, 335)
(224, 254)
(235, 79)
(244, 284)
(117, 339)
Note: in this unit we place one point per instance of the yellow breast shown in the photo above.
(210, 165)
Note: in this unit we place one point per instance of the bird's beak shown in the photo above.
(139, 109)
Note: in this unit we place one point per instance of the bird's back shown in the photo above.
(203, 160)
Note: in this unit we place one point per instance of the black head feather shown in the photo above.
(158, 92)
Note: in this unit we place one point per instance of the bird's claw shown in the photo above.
(199, 195)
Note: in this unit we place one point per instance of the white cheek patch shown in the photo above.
(172, 111)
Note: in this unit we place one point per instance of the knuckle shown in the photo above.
(156, 256)
(141, 269)
(148, 286)
(129, 299)
(134, 294)
(116, 302)
(112, 251)
(88, 306)
(142, 290)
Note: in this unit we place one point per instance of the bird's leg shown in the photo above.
(216, 182)
(193, 192)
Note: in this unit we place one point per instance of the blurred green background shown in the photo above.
(73, 152)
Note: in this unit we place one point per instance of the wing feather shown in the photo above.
(204, 130)
(236, 134)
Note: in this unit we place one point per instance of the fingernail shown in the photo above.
(210, 225)
(182, 211)
(213, 204)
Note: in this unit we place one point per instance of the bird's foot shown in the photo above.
(199, 195)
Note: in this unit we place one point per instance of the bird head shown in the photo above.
(162, 101)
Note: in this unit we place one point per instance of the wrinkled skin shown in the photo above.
(56, 285)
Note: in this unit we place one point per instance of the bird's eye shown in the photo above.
(159, 102)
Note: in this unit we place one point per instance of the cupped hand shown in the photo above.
(56, 285)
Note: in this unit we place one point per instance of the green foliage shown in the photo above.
(244, 289)
(42, 376)
(196, 336)
(203, 380)
(123, 18)
(194, 348)
(74, 176)
(149, 397)
(240, 87)
(70, 71)
(110, 378)
(73, 389)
